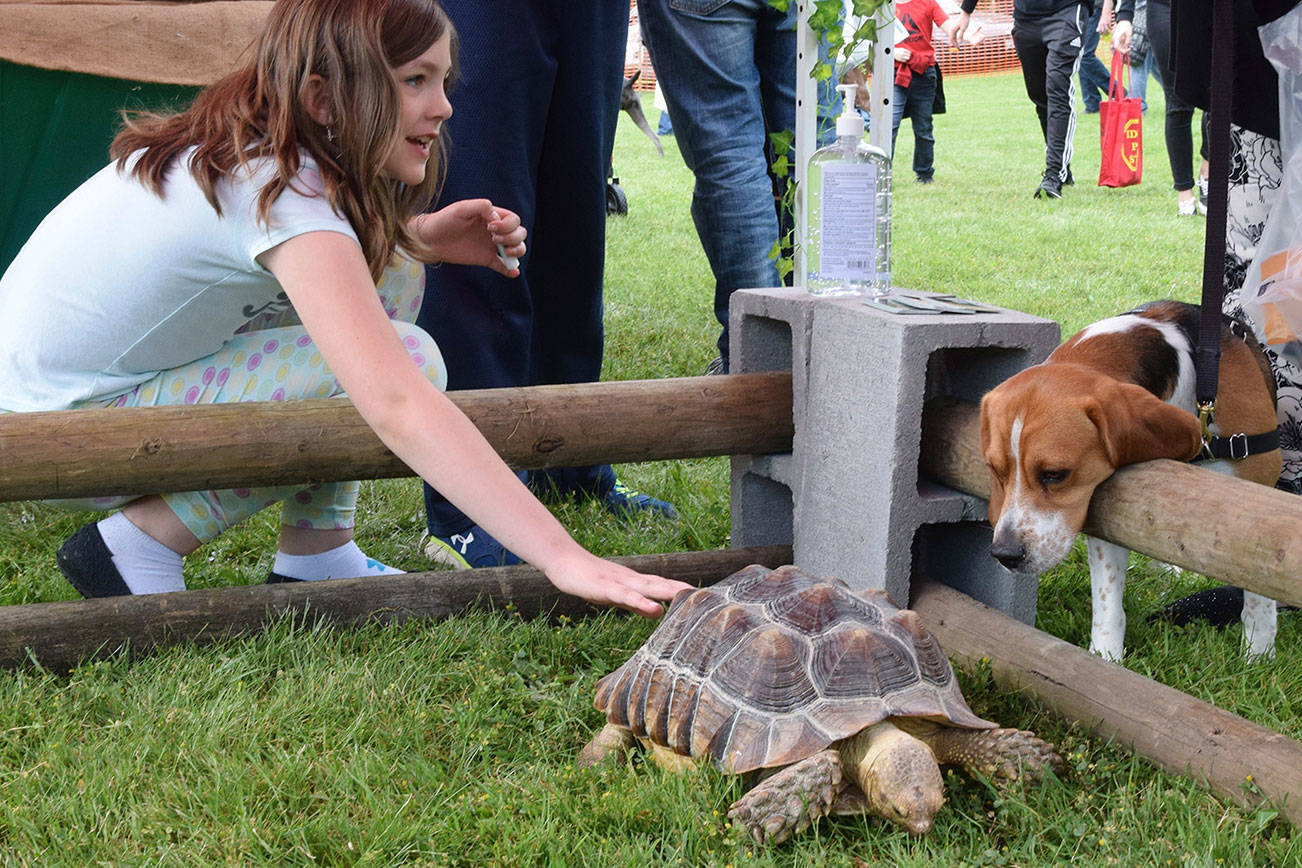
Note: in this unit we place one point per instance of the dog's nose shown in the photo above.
(1011, 554)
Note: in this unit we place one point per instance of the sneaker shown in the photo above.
(471, 548)
(1202, 195)
(87, 564)
(1187, 207)
(623, 501)
(1069, 180)
(1050, 188)
(715, 367)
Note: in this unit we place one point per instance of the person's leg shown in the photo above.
(1094, 76)
(569, 236)
(1204, 164)
(1139, 74)
(481, 320)
(922, 94)
(729, 79)
(1063, 31)
(146, 540)
(1253, 191)
(1179, 114)
(1032, 57)
(139, 550)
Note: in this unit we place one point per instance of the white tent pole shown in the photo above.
(881, 91)
(882, 88)
(806, 126)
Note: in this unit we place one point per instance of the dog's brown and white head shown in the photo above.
(1049, 436)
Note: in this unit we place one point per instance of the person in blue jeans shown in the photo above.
(727, 69)
(916, 78)
(533, 127)
(1094, 76)
(1142, 61)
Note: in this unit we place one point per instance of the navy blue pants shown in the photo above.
(532, 128)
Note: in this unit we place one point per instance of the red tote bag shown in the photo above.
(1121, 128)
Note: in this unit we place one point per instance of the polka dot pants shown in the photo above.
(272, 359)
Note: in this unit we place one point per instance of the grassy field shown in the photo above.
(453, 743)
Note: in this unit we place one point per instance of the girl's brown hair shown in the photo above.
(259, 111)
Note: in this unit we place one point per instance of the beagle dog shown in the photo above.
(1118, 392)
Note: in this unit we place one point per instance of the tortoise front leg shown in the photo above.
(998, 754)
(788, 801)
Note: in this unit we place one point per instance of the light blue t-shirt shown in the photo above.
(117, 283)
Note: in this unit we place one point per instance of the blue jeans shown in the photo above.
(1139, 79)
(727, 69)
(1094, 76)
(916, 101)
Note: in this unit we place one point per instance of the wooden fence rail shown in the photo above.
(84, 453)
(61, 635)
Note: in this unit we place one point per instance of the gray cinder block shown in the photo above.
(848, 498)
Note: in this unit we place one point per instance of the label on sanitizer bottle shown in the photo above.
(848, 225)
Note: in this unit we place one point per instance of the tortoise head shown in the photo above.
(900, 778)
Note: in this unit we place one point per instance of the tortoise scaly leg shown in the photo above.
(1000, 755)
(788, 801)
(611, 740)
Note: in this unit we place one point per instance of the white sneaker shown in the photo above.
(1202, 194)
(1187, 207)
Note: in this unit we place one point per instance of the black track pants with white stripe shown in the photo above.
(1048, 49)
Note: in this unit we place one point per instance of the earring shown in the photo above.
(330, 134)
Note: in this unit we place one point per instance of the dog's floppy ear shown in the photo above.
(1135, 425)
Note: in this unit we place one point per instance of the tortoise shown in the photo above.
(848, 697)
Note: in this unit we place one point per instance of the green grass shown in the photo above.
(453, 743)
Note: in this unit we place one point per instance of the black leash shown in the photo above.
(1207, 355)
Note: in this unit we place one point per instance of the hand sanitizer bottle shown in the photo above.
(848, 194)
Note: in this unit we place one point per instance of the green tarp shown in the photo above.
(69, 67)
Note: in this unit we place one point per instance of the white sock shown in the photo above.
(345, 562)
(146, 565)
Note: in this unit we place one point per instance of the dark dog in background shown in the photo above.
(631, 103)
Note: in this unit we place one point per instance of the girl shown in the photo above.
(232, 253)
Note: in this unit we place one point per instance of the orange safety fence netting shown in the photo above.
(994, 53)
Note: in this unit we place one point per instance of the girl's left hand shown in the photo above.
(468, 233)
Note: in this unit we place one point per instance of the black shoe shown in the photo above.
(926, 179)
(274, 578)
(1219, 607)
(1050, 188)
(87, 564)
(1069, 180)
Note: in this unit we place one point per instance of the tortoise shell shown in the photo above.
(771, 666)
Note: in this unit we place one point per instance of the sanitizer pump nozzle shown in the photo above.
(849, 123)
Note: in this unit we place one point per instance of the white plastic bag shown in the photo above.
(1272, 287)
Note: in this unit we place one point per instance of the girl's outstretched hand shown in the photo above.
(469, 232)
(606, 583)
